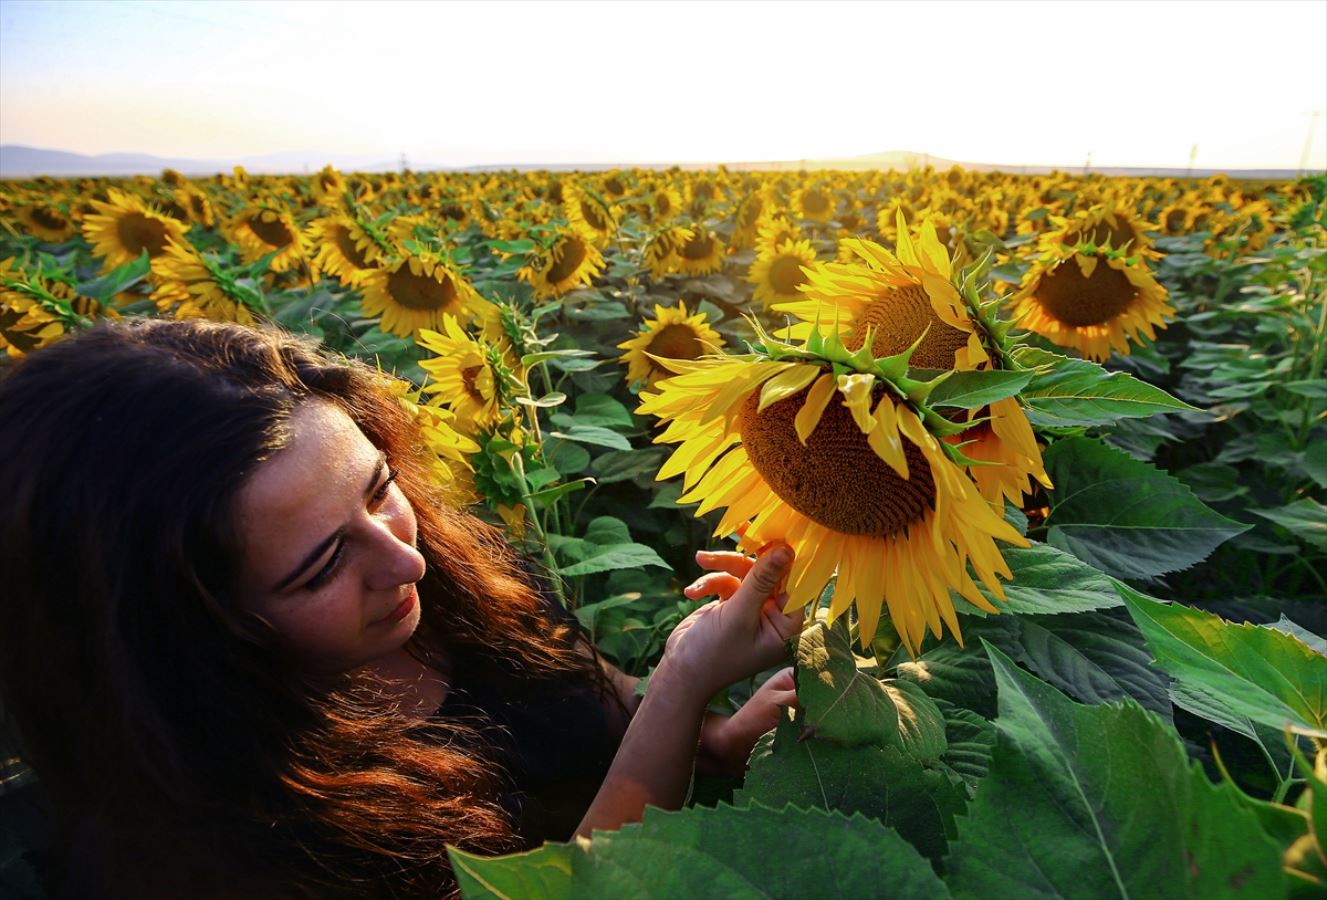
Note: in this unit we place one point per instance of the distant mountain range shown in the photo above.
(17, 161)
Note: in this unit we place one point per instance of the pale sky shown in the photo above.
(1011, 83)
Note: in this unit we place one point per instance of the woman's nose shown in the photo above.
(396, 561)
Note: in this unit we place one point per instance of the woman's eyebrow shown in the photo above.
(332, 538)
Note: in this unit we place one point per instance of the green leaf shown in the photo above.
(1125, 516)
(615, 556)
(1074, 392)
(548, 401)
(882, 783)
(567, 458)
(971, 740)
(840, 701)
(593, 434)
(1100, 801)
(969, 390)
(603, 410)
(1309, 387)
(118, 279)
(921, 725)
(1246, 670)
(958, 675)
(714, 852)
(1306, 519)
(625, 465)
(1046, 580)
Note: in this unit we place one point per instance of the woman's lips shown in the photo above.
(403, 609)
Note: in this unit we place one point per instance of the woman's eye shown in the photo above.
(323, 575)
(381, 493)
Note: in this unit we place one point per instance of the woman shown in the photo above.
(251, 653)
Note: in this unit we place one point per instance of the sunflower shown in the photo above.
(46, 221)
(1092, 303)
(746, 221)
(912, 299)
(815, 203)
(701, 254)
(570, 262)
(328, 186)
(661, 251)
(589, 215)
(465, 375)
(778, 275)
(416, 292)
(198, 287)
(671, 334)
(29, 311)
(261, 228)
(450, 450)
(125, 226)
(664, 203)
(861, 485)
(774, 231)
(1102, 228)
(197, 207)
(343, 249)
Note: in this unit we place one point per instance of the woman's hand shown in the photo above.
(727, 741)
(743, 632)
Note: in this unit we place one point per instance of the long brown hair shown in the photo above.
(184, 753)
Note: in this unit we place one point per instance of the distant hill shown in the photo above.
(17, 161)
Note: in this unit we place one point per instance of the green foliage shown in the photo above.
(722, 852)
(1067, 392)
(1125, 516)
(1091, 801)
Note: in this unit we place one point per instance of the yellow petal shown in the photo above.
(808, 417)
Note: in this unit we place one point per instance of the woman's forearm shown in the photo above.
(654, 763)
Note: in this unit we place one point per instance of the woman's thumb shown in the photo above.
(765, 575)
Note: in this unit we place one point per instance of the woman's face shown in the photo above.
(329, 545)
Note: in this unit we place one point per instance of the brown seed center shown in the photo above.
(676, 342)
(468, 376)
(570, 254)
(1078, 301)
(815, 202)
(273, 233)
(899, 317)
(421, 292)
(785, 274)
(49, 218)
(138, 232)
(345, 242)
(836, 480)
(698, 248)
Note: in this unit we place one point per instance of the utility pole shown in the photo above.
(1193, 154)
(1308, 142)
(1087, 163)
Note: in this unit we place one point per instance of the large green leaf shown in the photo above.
(1228, 670)
(792, 767)
(969, 390)
(719, 852)
(1306, 519)
(1100, 801)
(1125, 516)
(840, 700)
(1070, 392)
(1046, 580)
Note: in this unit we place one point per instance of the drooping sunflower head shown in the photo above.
(671, 334)
(46, 220)
(590, 215)
(570, 261)
(124, 227)
(843, 468)
(661, 250)
(416, 292)
(194, 286)
(1093, 303)
(29, 316)
(778, 275)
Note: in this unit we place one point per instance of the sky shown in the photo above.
(1008, 83)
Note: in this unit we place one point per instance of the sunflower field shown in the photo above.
(1051, 451)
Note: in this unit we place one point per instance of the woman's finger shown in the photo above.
(725, 561)
(763, 580)
(788, 625)
(719, 583)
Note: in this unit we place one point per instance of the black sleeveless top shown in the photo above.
(551, 738)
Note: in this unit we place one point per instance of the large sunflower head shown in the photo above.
(1103, 227)
(344, 249)
(822, 449)
(124, 227)
(30, 315)
(660, 253)
(1094, 303)
(702, 253)
(196, 286)
(570, 261)
(46, 220)
(778, 274)
(467, 375)
(416, 292)
(671, 334)
(265, 227)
